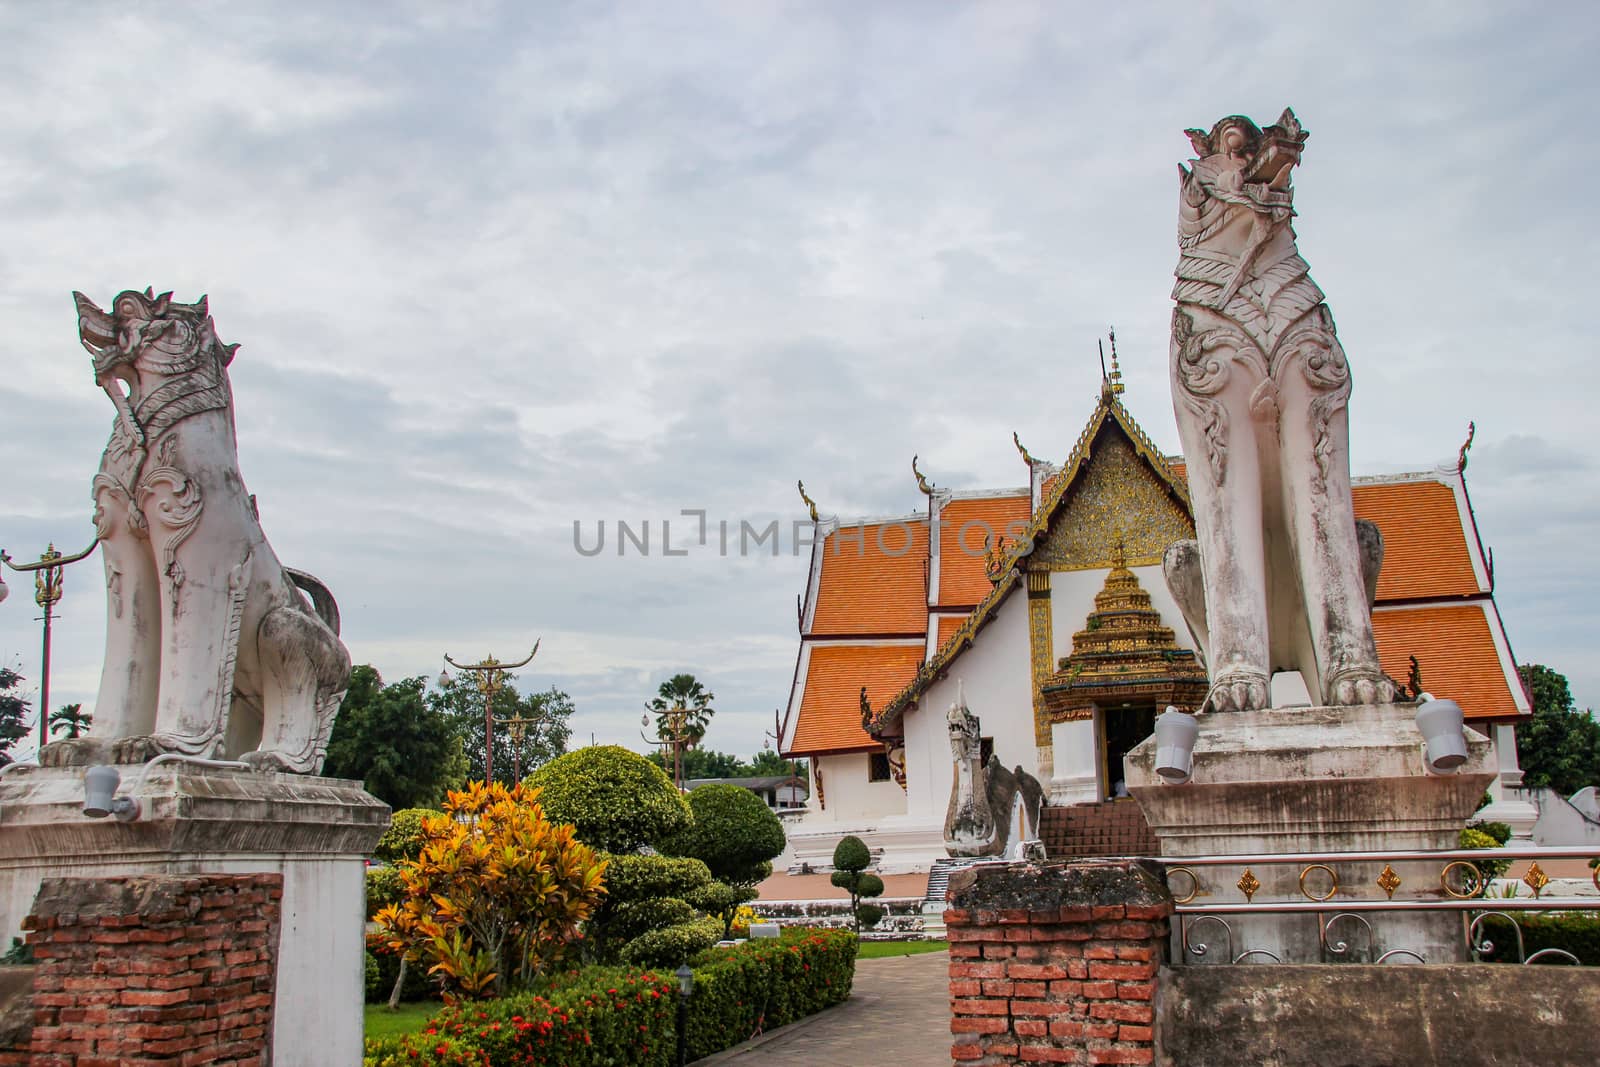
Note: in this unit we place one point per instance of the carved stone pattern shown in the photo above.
(1041, 642)
(1116, 498)
(178, 507)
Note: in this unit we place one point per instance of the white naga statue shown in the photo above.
(212, 648)
(1282, 578)
(985, 798)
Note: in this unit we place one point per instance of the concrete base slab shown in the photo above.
(316, 832)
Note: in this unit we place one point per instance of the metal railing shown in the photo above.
(1461, 887)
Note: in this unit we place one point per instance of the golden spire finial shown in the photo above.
(811, 505)
(926, 486)
(1117, 387)
(1119, 557)
(1026, 458)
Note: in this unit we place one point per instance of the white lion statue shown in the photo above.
(213, 647)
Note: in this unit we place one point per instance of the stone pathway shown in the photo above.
(898, 1011)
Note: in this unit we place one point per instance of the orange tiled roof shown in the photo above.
(865, 588)
(1425, 550)
(1456, 650)
(949, 624)
(830, 714)
(962, 581)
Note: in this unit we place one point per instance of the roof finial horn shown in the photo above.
(1117, 387)
(922, 482)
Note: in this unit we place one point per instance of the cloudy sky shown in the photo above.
(501, 268)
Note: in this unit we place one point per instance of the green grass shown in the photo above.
(876, 950)
(409, 1018)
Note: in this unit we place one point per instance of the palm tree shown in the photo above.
(682, 691)
(70, 718)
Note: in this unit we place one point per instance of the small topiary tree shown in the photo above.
(616, 800)
(736, 835)
(850, 862)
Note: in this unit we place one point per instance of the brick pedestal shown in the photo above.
(153, 969)
(1056, 964)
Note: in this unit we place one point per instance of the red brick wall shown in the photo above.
(1056, 964)
(1109, 828)
(153, 969)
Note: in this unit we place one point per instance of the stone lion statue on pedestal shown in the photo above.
(213, 647)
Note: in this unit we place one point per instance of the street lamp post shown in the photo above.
(517, 727)
(672, 730)
(47, 575)
(490, 675)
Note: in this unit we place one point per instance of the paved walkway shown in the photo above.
(899, 1010)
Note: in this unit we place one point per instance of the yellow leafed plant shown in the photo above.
(495, 894)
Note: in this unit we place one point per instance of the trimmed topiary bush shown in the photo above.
(616, 800)
(736, 835)
(646, 894)
(671, 945)
(850, 860)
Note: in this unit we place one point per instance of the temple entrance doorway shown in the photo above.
(1120, 730)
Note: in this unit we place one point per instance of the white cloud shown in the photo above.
(496, 268)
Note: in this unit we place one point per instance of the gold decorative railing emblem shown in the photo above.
(1536, 879)
(1334, 888)
(1388, 881)
(1248, 884)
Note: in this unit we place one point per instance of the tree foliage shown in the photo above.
(617, 800)
(682, 690)
(496, 892)
(544, 738)
(71, 718)
(850, 861)
(387, 737)
(1558, 745)
(709, 763)
(13, 713)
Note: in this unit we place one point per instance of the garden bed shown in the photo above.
(609, 1016)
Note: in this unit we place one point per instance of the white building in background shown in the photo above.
(898, 611)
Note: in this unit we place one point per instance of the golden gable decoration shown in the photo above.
(1122, 656)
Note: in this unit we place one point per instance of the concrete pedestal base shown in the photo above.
(316, 832)
(1341, 779)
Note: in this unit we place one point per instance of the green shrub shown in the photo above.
(869, 914)
(741, 991)
(851, 854)
(644, 894)
(372, 979)
(403, 839)
(596, 1017)
(617, 800)
(733, 831)
(1490, 869)
(850, 860)
(611, 1017)
(384, 887)
(669, 946)
(1500, 831)
(423, 1050)
(1578, 932)
(418, 985)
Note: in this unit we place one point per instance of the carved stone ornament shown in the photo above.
(1260, 386)
(983, 794)
(212, 647)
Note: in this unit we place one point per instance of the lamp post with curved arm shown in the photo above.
(490, 675)
(47, 594)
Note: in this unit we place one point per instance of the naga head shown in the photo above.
(962, 724)
(1253, 162)
(141, 325)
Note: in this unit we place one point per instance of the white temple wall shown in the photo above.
(995, 675)
(850, 796)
